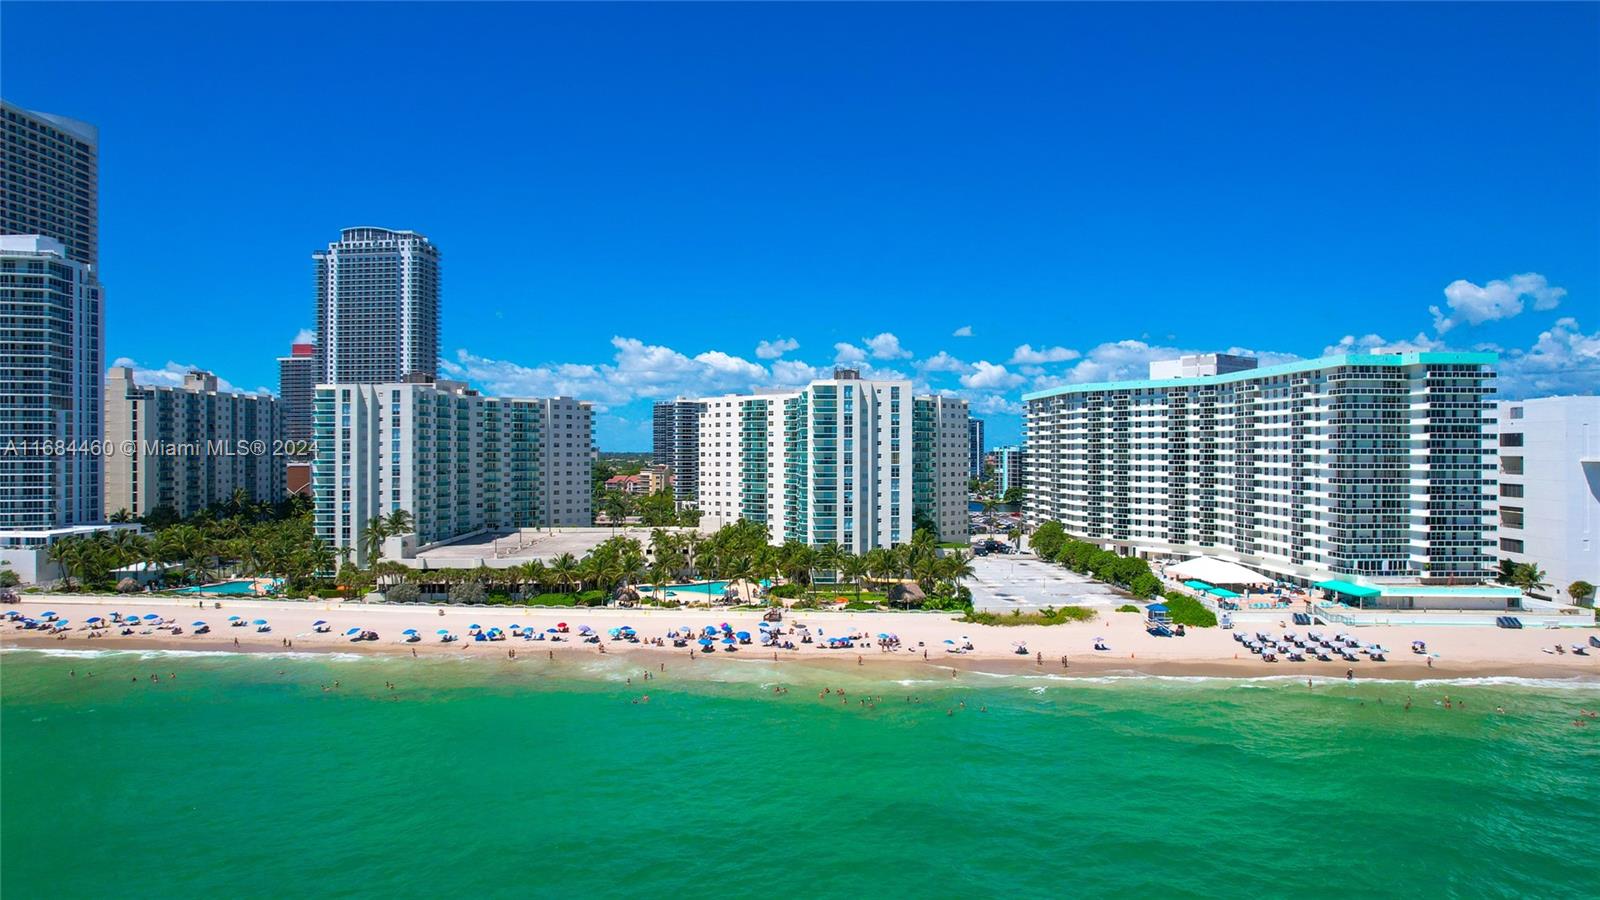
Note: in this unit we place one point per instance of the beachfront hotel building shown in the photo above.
(1549, 488)
(975, 449)
(377, 307)
(297, 385)
(51, 332)
(1372, 473)
(51, 180)
(188, 448)
(676, 445)
(458, 462)
(842, 460)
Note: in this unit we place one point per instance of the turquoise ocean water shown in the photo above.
(536, 778)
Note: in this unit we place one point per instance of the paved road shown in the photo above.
(1018, 581)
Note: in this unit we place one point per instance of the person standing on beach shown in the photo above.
(1349, 674)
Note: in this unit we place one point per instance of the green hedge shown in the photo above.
(1048, 616)
(1188, 611)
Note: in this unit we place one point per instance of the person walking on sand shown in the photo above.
(1349, 674)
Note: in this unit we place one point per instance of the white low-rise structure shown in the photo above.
(1549, 491)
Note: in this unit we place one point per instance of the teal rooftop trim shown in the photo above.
(1395, 360)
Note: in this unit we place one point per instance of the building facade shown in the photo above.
(186, 449)
(975, 448)
(1549, 490)
(377, 307)
(676, 445)
(458, 462)
(297, 386)
(51, 329)
(842, 460)
(51, 180)
(1007, 469)
(1361, 468)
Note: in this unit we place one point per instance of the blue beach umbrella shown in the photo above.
(236, 618)
(883, 635)
(556, 631)
(259, 622)
(711, 629)
(744, 635)
(727, 640)
(196, 624)
(475, 627)
(948, 641)
(94, 619)
(347, 631)
(614, 632)
(515, 625)
(409, 631)
(313, 624)
(442, 631)
(149, 616)
(705, 642)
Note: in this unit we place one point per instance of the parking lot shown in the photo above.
(1004, 582)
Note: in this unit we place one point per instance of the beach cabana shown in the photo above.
(1347, 591)
(1217, 571)
(1197, 584)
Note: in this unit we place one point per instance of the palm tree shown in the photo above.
(798, 561)
(534, 572)
(1530, 578)
(660, 574)
(853, 568)
(399, 522)
(372, 538)
(565, 570)
(68, 553)
(828, 557)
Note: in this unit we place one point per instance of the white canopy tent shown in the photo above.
(1215, 571)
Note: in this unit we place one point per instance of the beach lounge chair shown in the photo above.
(1269, 656)
(1348, 656)
(1322, 655)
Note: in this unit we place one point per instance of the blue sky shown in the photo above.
(630, 199)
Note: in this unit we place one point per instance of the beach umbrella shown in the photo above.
(474, 627)
(263, 622)
(711, 629)
(626, 629)
(196, 624)
(515, 625)
(948, 641)
(313, 624)
(442, 631)
(744, 635)
(883, 635)
(584, 629)
(554, 631)
(236, 618)
(347, 631)
(48, 612)
(614, 632)
(149, 616)
(94, 619)
(705, 642)
(561, 624)
(727, 640)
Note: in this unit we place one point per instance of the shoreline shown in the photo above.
(1456, 652)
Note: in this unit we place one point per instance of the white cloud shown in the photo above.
(995, 404)
(1372, 343)
(777, 348)
(793, 373)
(305, 336)
(171, 375)
(887, 346)
(988, 376)
(943, 362)
(963, 331)
(1564, 360)
(1130, 359)
(1026, 355)
(845, 354)
(1496, 300)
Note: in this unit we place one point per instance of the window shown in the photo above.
(1511, 545)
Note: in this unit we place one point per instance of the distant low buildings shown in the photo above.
(1371, 473)
(187, 448)
(1007, 469)
(457, 462)
(1549, 490)
(843, 460)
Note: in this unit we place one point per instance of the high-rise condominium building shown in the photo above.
(458, 462)
(53, 347)
(377, 307)
(51, 180)
(846, 461)
(1550, 488)
(1007, 469)
(185, 449)
(677, 446)
(297, 386)
(975, 449)
(1358, 471)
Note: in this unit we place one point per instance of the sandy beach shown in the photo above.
(1454, 651)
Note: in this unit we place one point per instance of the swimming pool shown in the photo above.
(242, 588)
(709, 589)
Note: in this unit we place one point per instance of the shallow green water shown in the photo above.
(524, 778)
